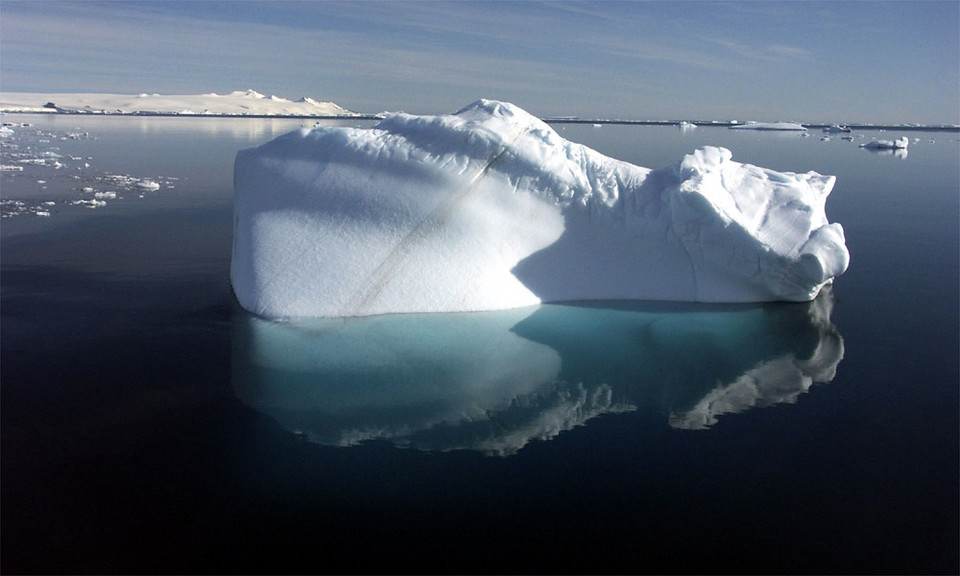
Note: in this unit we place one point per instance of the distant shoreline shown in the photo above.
(193, 115)
(727, 124)
(252, 104)
(548, 120)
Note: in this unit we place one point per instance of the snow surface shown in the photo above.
(238, 103)
(489, 208)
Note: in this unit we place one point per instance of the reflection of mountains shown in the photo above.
(495, 381)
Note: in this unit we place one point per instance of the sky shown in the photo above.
(850, 61)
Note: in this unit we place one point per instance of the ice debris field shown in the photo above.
(489, 208)
(40, 179)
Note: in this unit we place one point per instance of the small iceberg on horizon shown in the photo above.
(898, 144)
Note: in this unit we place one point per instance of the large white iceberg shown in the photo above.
(489, 208)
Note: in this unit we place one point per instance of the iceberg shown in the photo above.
(898, 144)
(489, 209)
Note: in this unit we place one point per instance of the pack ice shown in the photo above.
(489, 208)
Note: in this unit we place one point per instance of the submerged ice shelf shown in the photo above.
(496, 381)
(489, 208)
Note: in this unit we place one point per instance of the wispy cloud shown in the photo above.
(761, 52)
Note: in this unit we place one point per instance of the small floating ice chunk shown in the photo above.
(148, 185)
(898, 144)
(93, 203)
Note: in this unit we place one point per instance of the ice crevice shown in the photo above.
(432, 222)
(489, 208)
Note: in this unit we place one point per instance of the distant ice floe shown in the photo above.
(837, 128)
(896, 147)
(495, 382)
(899, 143)
(784, 126)
(237, 103)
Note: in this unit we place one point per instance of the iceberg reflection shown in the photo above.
(494, 381)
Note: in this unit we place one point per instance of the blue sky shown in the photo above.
(802, 61)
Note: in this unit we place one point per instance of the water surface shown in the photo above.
(149, 424)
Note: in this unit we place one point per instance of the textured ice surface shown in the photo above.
(489, 208)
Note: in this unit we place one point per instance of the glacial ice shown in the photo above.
(489, 208)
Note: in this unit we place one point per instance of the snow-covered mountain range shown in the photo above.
(238, 103)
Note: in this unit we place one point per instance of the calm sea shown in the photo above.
(150, 425)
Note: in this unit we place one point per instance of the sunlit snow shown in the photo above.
(490, 208)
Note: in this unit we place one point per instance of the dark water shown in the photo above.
(149, 425)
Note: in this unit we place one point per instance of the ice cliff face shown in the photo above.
(489, 208)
